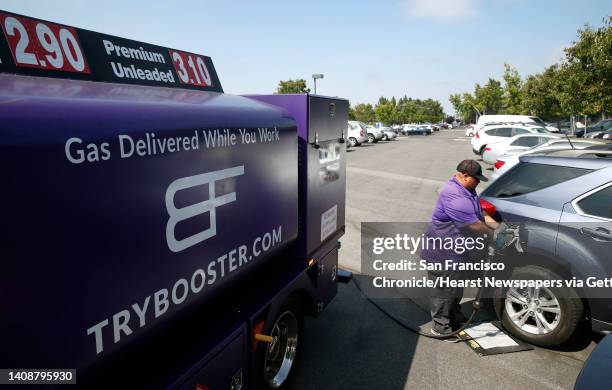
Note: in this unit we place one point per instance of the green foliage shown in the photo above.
(397, 111)
(292, 86)
(512, 90)
(364, 113)
(489, 97)
(540, 94)
(465, 106)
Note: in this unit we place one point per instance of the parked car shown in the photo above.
(374, 134)
(416, 130)
(356, 134)
(517, 144)
(511, 158)
(595, 373)
(497, 133)
(469, 130)
(602, 125)
(605, 135)
(388, 134)
(562, 210)
(485, 120)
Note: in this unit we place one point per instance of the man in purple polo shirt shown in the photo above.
(457, 215)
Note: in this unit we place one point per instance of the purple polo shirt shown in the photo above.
(456, 208)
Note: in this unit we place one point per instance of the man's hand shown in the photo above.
(493, 224)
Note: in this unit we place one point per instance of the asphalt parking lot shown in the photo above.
(353, 345)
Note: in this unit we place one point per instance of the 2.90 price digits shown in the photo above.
(191, 69)
(43, 45)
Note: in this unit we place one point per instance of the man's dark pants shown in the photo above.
(445, 302)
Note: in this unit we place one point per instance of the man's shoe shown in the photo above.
(449, 338)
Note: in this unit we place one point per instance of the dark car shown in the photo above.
(416, 130)
(595, 374)
(562, 206)
(602, 125)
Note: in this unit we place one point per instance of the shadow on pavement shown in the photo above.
(352, 345)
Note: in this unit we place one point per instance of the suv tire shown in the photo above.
(540, 324)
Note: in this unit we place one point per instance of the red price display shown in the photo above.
(191, 69)
(43, 45)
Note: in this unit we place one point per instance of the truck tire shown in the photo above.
(544, 316)
(281, 357)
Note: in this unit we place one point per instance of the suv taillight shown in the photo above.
(362, 133)
(487, 207)
(499, 164)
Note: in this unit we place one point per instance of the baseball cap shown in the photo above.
(472, 168)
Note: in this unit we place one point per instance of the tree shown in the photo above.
(489, 98)
(364, 113)
(512, 90)
(588, 69)
(464, 106)
(540, 95)
(292, 86)
(385, 111)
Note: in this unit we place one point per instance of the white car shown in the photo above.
(510, 159)
(497, 133)
(485, 120)
(388, 134)
(374, 134)
(515, 144)
(356, 135)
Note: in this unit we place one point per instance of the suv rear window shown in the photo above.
(529, 177)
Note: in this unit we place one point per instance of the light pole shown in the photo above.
(315, 77)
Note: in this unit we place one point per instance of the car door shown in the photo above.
(585, 236)
(586, 224)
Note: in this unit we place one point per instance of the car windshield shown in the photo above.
(537, 120)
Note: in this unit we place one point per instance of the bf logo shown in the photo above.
(207, 206)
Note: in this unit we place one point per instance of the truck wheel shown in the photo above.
(282, 355)
(541, 316)
(353, 141)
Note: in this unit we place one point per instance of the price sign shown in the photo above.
(36, 47)
(43, 45)
(191, 68)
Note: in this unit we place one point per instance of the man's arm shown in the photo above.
(481, 228)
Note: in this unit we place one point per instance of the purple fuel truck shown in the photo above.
(156, 232)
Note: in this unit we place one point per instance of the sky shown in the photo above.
(365, 49)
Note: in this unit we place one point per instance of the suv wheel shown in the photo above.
(353, 141)
(541, 316)
(371, 138)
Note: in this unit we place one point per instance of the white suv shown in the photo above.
(497, 133)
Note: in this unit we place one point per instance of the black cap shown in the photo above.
(472, 168)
